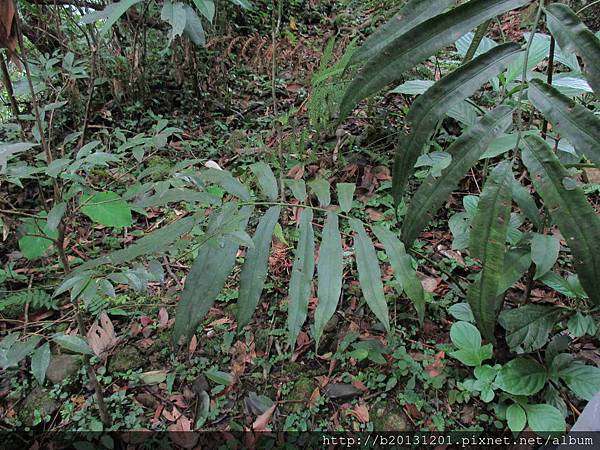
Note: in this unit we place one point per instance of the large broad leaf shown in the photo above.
(224, 179)
(40, 360)
(369, 274)
(209, 272)
(465, 152)
(401, 263)
(582, 379)
(577, 220)
(575, 122)
(529, 326)
(525, 201)
(430, 108)
(193, 27)
(545, 418)
(32, 247)
(488, 239)
(176, 195)
(345, 193)
(72, 343)
(266, 179)
(254, 272)
(522, 376)
(111, 13)
(175, 14)
(207, 8)
(329, 271)
(302, 275)
(7, 151)
(412, 14)
(411, 48)
(574, 37)
(107, 208)
(544, 252)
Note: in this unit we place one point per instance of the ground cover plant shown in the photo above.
(299, 216)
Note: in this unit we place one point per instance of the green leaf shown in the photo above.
(111, 13)
(254, 272)
(412, 14)
(574, 121)
(55, 216)
(545, 418)
(529, 326)
(516, 262)
(33, 247)
(245, 4)
(544, 253)
(321, 189)
(462, 311)
(369, 274)
(329, 271)
(527, 204)
(401, 264)
(151, 243)
(298, 188)
(487, 243)
(175, 15)
(580, 325)
(7, 151)
(107, 208)
(465, 153)
(582, 379)
(193, 27)
(577, 220)
(516, 418)
(206, 8)
(40, 360)
(404, 52)
(522, 376)
(574, 37)
(430, 108)
(75, 344)
(224, 179)
(301, 278)
(345, 193)
(465, 336)
(176, 195)
(266, 180)
(18, 350)
(219, 377)
(212, 266)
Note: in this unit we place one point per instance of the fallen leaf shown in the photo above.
(178, 436)
(163, 317)
(153, 376)
(101, 336)
(435, 368)
(193, 344)
(316, 395)
(261, 422)
(360, 412)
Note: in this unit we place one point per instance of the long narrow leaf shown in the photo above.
(574, 37)
(431, 107)
(208, 274)
(301, 279)
(401, 263)
(412, 14)
(254, 272)
(369, 274)
(329, 271)
(577, 220)
(465, 153)
(488, 239)
(411, 48)
(577, 123)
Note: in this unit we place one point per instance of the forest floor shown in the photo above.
(360, 378)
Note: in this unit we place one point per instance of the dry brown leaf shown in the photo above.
(177, 433)
(101, 336)
(8, 33)
(193, 345)
(163, 317)
(261, 422)
(360, 412)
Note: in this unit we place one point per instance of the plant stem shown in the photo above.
(549, 80)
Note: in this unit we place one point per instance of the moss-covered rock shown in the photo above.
(63, 366)
(300, 394)
(126, 358)
(389, 418)
(40, 401)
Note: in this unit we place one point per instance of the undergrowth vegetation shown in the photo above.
(212, 218)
